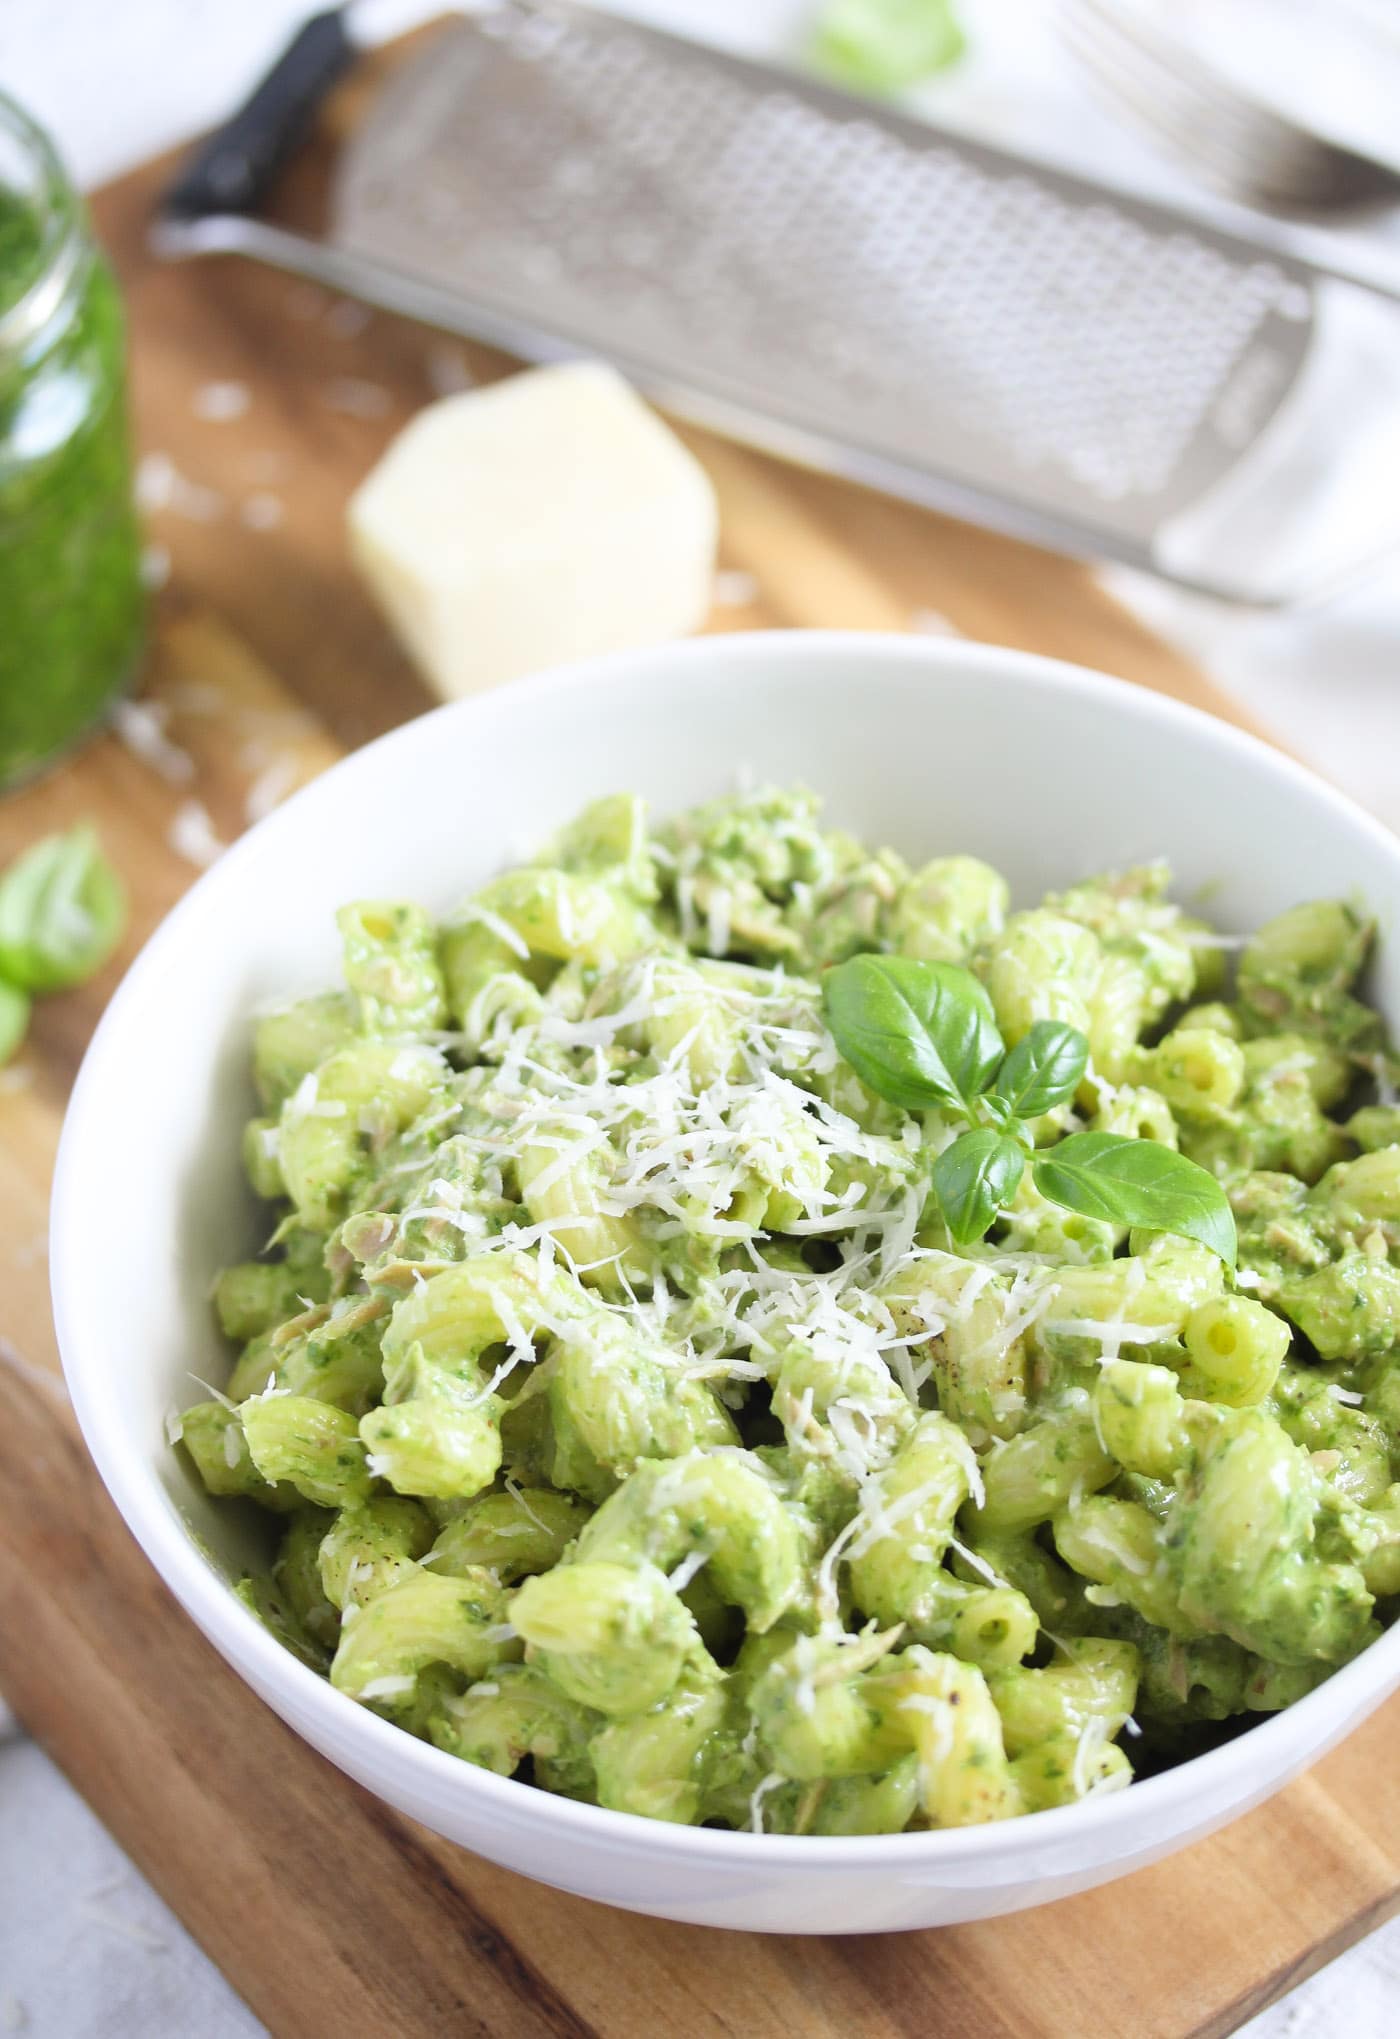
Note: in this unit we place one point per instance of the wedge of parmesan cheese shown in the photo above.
(545, 518)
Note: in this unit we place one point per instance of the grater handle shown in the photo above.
(232, 168)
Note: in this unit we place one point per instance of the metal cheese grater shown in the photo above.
(829, 280)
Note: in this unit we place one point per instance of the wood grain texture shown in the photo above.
(332, 1914)
(329, 1913)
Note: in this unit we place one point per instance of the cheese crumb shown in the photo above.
(357, 397)
(735, 589)
(159, 485)
(220, 403)
(448, 370)
(141, 726)
(347, 319)
(270, 788)
(933, 623)
(192, 836)
(393, 1685)
(262, 511)
(155, 568)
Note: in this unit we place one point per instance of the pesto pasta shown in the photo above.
(658, 1389)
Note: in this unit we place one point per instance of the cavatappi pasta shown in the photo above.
(628, 1419)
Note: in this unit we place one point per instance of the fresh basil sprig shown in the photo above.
(62, 912)
(924, 1036)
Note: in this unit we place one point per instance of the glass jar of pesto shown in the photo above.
(72, 612)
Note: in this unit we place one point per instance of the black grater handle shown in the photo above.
(232, 168)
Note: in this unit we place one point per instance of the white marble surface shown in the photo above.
(86, 1948)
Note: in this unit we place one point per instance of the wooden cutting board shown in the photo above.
(328, 1912)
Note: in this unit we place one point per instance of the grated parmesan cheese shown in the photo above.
(501, 929)
(735, 589)
(270, 788)
(191, 835)
(155, 567)
(142, 727)
(761, 1790)
(347, 319)
(159, 485)
(221, 403)
(933, 623)
(448, 370)
(262, 511)
(356, 397)
(394, 1685)
(695, 1561)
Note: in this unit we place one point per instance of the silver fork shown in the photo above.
(1234, 141)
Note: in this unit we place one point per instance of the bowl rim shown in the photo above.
(1110, 1821)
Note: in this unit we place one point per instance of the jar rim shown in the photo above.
(60, 236)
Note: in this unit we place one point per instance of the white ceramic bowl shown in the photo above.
(1048, 771)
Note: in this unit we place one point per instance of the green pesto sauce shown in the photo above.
(70, 581)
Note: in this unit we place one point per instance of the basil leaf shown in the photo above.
(1043, 1069)
(995, 1111)
(974, 1179)
(919, 1034)
(884, 46)
(62, 912)
(1137, 1182)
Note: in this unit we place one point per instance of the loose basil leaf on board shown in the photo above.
(919, 1034)
(975, 1178)
(62, 912)
(1137, 1182)
(1044, 1069)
